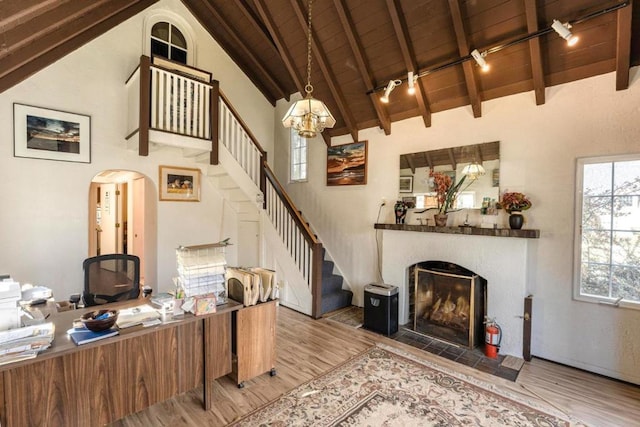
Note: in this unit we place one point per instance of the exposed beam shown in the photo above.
(255, 61)
(261, 29)
(623, 47)
(327, 73)
(13, 14)
(531, 13)
(279, 41)
(362, 63)
(452, 158)
(410, 163)
(429, 160)
(467, 66)
(65, 40)
(402, 35)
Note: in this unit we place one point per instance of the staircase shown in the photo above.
(333, 296)
(238, 166)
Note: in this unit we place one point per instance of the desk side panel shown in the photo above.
(218, 346)
(99, 384)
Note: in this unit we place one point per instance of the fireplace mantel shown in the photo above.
(471, 231)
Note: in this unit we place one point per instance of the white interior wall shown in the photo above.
(44, 211)
(539, 147)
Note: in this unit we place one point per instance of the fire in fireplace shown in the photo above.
(448, 302)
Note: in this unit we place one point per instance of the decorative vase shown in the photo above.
(441, 220)
(516, 220)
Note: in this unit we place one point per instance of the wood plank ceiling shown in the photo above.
(359, 45)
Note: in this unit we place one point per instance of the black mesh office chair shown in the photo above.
(111, 278)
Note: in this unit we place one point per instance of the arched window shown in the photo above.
(169, 42)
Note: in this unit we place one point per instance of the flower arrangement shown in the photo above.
(446, 190)
(515, 202)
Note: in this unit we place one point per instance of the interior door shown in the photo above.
(108, 237)
(248, 243)
(136, 222)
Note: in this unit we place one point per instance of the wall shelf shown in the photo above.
(471, 231)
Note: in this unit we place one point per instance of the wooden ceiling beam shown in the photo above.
(13, 14)
(623, 46)
(248, 12)
(467, 66)
(362, 63)
(411, 163)
(429, 160)
(277, 38)
(65, 39)
(537, 72)
(402, 36)
(327, 73)
(478, 154)
(452, 158)
(263, 75)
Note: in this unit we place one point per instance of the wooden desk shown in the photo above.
(100, 382)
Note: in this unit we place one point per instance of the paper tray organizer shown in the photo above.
(202, 270)
(251, 285)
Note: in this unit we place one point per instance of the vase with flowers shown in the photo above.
(446, 192)
(514, 203)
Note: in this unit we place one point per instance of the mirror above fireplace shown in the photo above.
(414, 174)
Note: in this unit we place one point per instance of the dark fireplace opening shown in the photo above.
(448, 302)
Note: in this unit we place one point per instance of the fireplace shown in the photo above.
(447, 302)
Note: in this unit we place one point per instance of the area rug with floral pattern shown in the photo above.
(384, 386)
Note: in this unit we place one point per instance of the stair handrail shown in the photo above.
(311, 266)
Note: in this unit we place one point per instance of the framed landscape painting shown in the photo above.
(347, 164)
(179, 184)
(42, 133)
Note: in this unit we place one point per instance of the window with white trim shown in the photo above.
(168, 42)
(607, 259)
(298, 157)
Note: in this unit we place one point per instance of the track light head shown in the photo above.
(411, 81)
(563, 31)
(479, 57)
(390, 87)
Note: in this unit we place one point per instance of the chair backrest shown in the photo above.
(111, 278)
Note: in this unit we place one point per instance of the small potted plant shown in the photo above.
(514, 203)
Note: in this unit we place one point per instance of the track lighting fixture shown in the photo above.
(411, 81)
(563, 31)
(479, 57)
(390, 87)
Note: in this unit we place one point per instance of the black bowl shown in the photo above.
(89, 320)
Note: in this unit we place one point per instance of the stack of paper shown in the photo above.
(141, 314)
(201, 270)
(25, 343)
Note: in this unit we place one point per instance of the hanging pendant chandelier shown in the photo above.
(309, 116)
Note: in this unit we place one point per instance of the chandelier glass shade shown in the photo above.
(308, 117)
(473, 171)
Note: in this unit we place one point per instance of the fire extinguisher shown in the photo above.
(493, 337)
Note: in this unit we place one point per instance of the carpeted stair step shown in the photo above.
(331, 284)
(336, 300)
(327, 268)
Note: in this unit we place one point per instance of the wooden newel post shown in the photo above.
(215, 121)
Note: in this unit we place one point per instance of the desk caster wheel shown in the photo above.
(272, 372)
(241, 385)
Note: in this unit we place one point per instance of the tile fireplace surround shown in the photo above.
(505, 262)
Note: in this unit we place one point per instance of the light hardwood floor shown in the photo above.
(307, 348)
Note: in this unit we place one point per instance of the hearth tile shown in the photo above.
(507, 373)
(452, 352)
(411, 341)
(488, 365)
(436, 347)
(469, 358)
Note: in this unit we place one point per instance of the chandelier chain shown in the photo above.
(308, 88)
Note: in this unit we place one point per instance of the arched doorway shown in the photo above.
(117, 214)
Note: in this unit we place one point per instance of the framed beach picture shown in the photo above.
(406, 184)
(42, 133)
(347, 164)
(179, 184)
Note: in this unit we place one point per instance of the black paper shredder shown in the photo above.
(381, 308)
